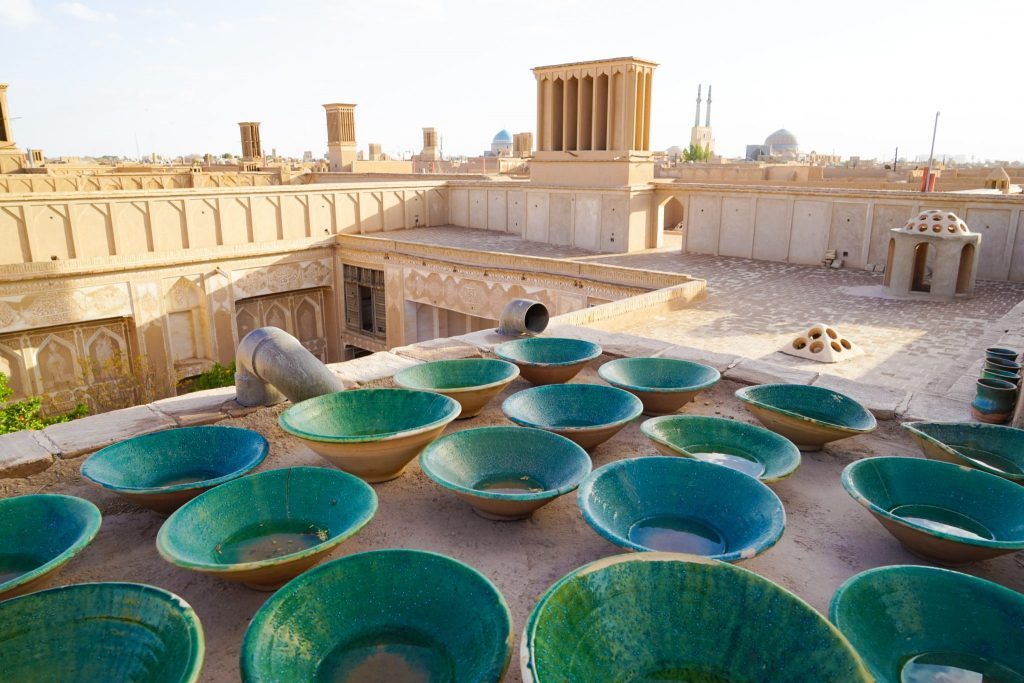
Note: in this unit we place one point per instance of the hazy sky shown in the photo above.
(91, 77)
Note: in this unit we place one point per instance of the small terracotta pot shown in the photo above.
(994, 400)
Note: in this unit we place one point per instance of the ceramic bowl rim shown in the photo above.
(647, 429)
(511, 368)
(768, 539)
(256, 624)
(528, 649)
(366, 514)
(1001, 351)
(638, 408)
(743, 394)
(915, 429)
(85, 469)
(453, 409)
(715, 375)
(578, 454)
(851, 488)
(594, 351)
(177, 604)
(86, 534)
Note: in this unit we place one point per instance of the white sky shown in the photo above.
(87, 78)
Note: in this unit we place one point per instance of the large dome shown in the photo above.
(781, 138)
(503, 137)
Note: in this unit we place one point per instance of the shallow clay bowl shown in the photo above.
(38, 535)
(548, 360)
(163, 470)
(740, 446)
(917, 624)
(470, 381)
(675, 617)
(384, 615)
(371, 433)
(100, 632)
(808, 416)
(267, 528)
(682, 505)
(947, 514)
(990, 448)
(506, 473)
(589, 414)
(664, 385)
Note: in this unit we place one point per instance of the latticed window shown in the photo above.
(364, 301)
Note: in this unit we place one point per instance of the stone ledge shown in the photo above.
(22, 454)
(88, 434)
(196, 408)
(438, 349)
(883, 402)
(485, 340)
(751, 371)
(935, 408)
(369, 368)
(612, 343)
(719, 361)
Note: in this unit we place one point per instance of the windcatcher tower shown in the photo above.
(252, 148)
(341, 135)
(11, 158)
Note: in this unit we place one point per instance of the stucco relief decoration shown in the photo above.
(108, 300)
(417, 285)
(53, 309)
(252, 282)
(284, 278)
(450, 289)
(318, 274)
(7, 314)
(434, 286)
(473, 294)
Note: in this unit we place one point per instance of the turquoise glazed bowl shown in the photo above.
(664, 385)
(548, 360)
(682, 505)
(100, 632)
(808, 416)
(1006, 364)
(1011, 377)
(473, 382)
(737, 445)
(948, 514)
(999, 352)
(914, 624)
(38, 535)
(371, 433)
(267, 528)
(994, 400)
(506, 473)
(384, 615)
(675, 617)
(589, 414)
(990, 448)
(163, 470)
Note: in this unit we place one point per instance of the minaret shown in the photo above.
(707, 119)
(696, 117)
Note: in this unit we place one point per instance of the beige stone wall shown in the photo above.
(19, 183)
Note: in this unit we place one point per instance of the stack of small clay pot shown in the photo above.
(997, 387)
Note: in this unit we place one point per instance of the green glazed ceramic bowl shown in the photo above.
(674, 617)
(948, 514)
(808, 416)
(682, 505)
(371, 433)
(470, 381)
(589, 414)
(100, 632)
(384, 615)
(998, 352)
(38, 535)
(914, 624)
(737, 445)
(506, 473)
(267, 528)
(664, 385)
(163, 470)
(548, 360)
(990, 448)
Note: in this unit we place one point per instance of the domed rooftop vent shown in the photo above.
(781, 138)
(935, 222)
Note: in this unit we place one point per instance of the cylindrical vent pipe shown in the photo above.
(272, 365)
(523, 317)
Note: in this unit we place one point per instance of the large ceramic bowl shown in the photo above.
(100, 632)
(371, 433)
(674, 617)
(664, 385)
(470, 381)
(808, 416)
(682, 505)
(589, 414)
(163, 470)
(506, 473)
(915, 624)
(990, 448)
(38, 535)
(384, 615)
(948, 514)
(548, 360)
(737, 445)
(267, 528)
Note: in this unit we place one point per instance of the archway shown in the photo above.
(964, 270)
(672, 214)
(922, 281)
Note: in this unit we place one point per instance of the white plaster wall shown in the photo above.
(703, 224)
(847, 233)
(994, 226)
(516, 211)
(588, 222)
(560, 218)
(459, 202)
(497, 210)
(771, 229)
(478, 209)
(736, 238)
(536, 216)
(809, 236)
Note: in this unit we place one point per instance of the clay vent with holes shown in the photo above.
(822, 343)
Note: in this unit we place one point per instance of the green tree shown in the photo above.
(26, 413)
(695, 153)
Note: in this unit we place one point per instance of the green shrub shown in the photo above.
(26, 413)
(216, 377)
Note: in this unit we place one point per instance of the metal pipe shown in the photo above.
(272, 365)
(523, 316)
